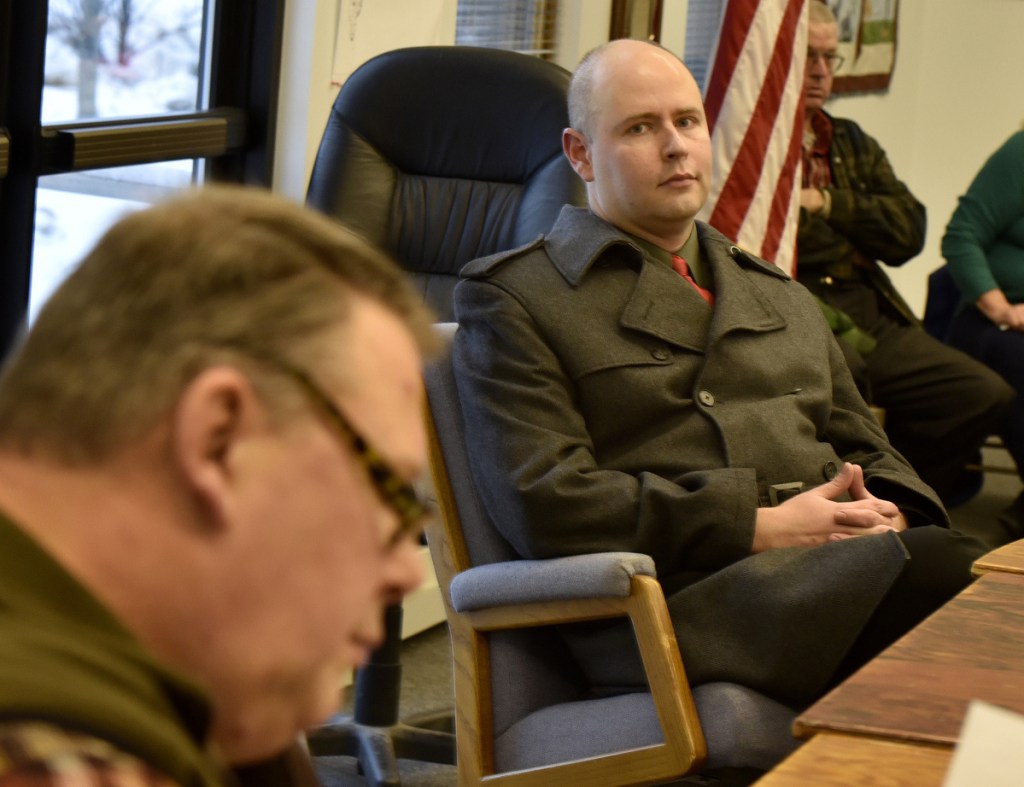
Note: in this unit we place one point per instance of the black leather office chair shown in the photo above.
(438, 155)
(444, 154)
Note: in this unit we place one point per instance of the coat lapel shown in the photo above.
(662, 304)
(685, 320)
(682, 320)
(742, 305)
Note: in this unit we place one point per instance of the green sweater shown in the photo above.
(65, 659)
(984, 240)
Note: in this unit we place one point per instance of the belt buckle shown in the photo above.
(780, 493)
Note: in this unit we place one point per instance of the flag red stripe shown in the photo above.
(784, 191)
(738, 191)
(735, 25)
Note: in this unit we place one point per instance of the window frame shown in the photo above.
(234, 137)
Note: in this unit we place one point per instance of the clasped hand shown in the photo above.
(812, 200)
(1008, 316)
(817, 516)
(1012, 318)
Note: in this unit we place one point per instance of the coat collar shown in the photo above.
(580, 239)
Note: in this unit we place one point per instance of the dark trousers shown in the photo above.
(797, 664)
(938, 569)
(940, 404)
(1003, 352)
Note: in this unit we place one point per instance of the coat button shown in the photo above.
(660, 354)
(706, 398)
(829, 470)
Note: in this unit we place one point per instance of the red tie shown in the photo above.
(680, 267)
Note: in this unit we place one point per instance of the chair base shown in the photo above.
(427, 738)
(373, 734)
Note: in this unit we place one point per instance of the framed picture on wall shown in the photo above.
(636, 19)
(867, 41)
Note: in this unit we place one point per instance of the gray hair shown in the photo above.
(818, 11)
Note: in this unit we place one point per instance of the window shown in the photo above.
(527, 26)
(113, 105)
(702, 23)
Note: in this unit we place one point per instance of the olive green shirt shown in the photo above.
(689, 251)
(66, 660)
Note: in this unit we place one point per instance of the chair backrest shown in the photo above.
(469, 538)
(465, 537)
(444, 154)
(476, 541)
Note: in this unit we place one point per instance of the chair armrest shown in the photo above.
(518, 594)
(600, 575)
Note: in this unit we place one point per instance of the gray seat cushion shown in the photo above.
(743, 729)
(574, 730)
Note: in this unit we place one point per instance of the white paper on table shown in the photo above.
(990, 750)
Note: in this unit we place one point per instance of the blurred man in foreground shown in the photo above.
(206, 444)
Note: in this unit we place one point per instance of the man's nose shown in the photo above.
(816, 65)
(403, 568)
(675, 142)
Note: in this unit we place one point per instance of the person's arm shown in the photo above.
(869, 210)
(855, 434)
(994, 305)
(818, 515)
(846, 507)
(994, 202)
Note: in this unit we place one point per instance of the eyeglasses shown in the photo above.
(832, 60)
(393, 490)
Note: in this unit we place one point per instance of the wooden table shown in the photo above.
(830, 760)
(918, 689)
(1009, 558)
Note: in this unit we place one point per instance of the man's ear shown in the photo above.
(217, 409)
(577, 150)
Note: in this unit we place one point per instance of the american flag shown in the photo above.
(753, 101)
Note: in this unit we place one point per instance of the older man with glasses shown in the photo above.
(207, 444)
(939, 404)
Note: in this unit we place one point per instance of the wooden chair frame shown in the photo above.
(683, 749)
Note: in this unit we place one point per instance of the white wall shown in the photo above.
(317, 58)
(673, 25)
(955, 93)
(582, 25)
